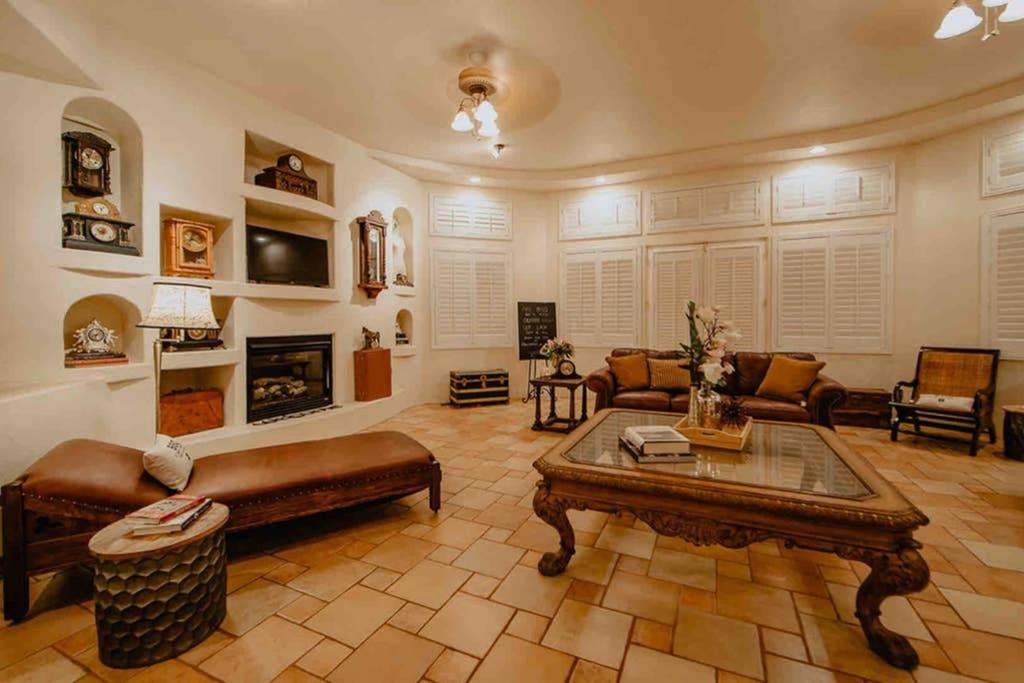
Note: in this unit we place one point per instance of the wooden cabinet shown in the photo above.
(373, 374)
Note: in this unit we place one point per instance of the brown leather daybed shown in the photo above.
(51, 511)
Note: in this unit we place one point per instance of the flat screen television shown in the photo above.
(276, 257)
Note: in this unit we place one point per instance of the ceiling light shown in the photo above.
(462, 123)
(817, 149)
(600, 179)
(958, 20)
(1013, 12)
(485, 112)
(496, 150)
(476, 113)
(488, 129)
(475, 179)
(994, 3)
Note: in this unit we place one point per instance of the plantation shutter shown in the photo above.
(801, 197)
(734, 284)
(675, 281)
(834, 194)
(491, 219)
(675, 209)
(579, 298)
(491, 300)
(449, 217)
(861, 190)
(734, 204)
(859, 292)
(600, 297)
(801, 317)
(599, 216)
(619, 298)
(470, 217)
(1005, 283)
(452, 310)
(1004, 163)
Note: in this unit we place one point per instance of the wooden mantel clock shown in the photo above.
(86, 164)
(372, 231)
(188, 248)
(288, 175)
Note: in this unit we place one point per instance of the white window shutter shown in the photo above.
(448, 217)
(675, 209)
(579, 298)
(619, 298)
(859, 292)
(452, 300)
(1003, 282)
(1003, 159)
(491, 300)
(471, 217)
(801, 315)
(492, 219)
(800, 198)
(830, 194)
(733, 204)
(675, 280)
(861, 190)
(735, 285)
(601, 215)
(599, 297)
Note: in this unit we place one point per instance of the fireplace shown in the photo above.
(287, 375)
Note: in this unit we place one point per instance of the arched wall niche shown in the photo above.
(109, 121)
(113, 312)
(403, 324)
(402, 225)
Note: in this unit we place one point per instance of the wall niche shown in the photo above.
(113, 312)
(402, 256)
(94, 116)
(404, 340)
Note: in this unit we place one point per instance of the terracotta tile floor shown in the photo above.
(396, 593)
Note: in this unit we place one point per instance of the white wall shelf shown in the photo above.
(101, 263)
(111, 374)
(217, 287)
(252, 290)
(180, 360)
(403, 290)
(264, 201)
(403, 350)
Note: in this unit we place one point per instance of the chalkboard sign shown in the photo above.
(536, 326)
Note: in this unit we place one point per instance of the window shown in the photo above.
(601, 215)
(834, 194)
(734, 204)
(472, 298)
(1002, 291)
(729, 275)
(1003, 160)
(470, 216)
(832, 291)
(600, 297)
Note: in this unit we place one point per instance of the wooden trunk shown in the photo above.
(864, 408)
(373, 374)
(478, 387)
(188, 412)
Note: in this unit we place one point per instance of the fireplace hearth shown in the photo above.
(287, 375)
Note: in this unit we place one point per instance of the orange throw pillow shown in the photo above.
(789, 379)
(630, 371)
(668, 374)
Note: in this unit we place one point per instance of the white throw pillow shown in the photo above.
(964, 403)
(168, 462)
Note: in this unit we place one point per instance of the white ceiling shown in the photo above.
(589, 82)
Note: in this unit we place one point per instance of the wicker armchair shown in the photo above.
(952, 389)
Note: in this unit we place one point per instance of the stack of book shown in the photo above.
(169, 515)
(656, 443)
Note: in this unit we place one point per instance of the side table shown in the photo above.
(554, 423)
(1013, 432)
(158, 596)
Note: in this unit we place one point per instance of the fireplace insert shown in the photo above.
(287, 375)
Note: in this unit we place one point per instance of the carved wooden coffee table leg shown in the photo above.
(891, 574)
(552, 510)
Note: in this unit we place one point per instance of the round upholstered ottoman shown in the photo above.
(158, 596)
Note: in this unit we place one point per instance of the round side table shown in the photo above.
(158, 596)
(1013, 432)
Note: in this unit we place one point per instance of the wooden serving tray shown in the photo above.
(732, 438)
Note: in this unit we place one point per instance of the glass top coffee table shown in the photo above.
(798, 483)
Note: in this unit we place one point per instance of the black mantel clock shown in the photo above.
(86, 164)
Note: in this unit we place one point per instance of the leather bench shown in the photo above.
(51, 511)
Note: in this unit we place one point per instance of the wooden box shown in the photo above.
(477, 387)
(373, 374)
(187, 412)
(864, 408)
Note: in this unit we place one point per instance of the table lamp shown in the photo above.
(177, 306)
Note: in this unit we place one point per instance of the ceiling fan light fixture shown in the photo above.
(958, 20)
(485, 112)
(488, 129)
(994, 3)
(817, 149)
(462, 123)
(1014, 12)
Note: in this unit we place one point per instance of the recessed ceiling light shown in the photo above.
(818, 149)
(600, 179)
(475, 179)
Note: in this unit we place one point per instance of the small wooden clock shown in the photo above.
(289, 175)
(188, 248)
(94, 225)
(86, 164)
(372, 260)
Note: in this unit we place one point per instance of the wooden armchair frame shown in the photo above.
(972, 421)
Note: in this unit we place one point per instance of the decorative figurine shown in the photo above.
(371, 339)
(94, 344)
(401, 337)
(732, 413)
(398, 252)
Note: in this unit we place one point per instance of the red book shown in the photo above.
(163, 510)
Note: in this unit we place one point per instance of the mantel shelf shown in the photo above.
(253, 290)
(111, 374)
(217, 287)
(403, 350)
(180, 360)
(101, 263)
(285, 205)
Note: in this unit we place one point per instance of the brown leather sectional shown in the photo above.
(51, 511)
(751, 368)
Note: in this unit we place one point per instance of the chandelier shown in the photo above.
(476, 114)
(961, 18)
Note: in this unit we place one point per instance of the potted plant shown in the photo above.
(704, 356)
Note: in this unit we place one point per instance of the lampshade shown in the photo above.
(181, 306)
(994, 3)
(462, 122)
(485, 112)
(488, 129)
(959, 20)
(1013, 12)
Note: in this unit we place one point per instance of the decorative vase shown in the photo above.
(709, 407)
(693, 411)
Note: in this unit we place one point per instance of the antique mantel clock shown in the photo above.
(372, 230)
(95, 225)
(188, 248)
(86, 164)
(289, 175)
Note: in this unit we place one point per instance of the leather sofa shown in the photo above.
(52, 510)
(751, 368)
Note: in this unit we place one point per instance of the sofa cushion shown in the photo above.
(761, 408)
(169, 462)
(630, 371)
(645, 399)
(751, 367)
(789, 379)
(668, 375)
